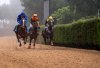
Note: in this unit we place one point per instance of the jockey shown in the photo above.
(20, 19)
(35, 21)
(49, 23)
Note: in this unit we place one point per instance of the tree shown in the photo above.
(85, 7)
(56, 4)
(81, 8)
(63, 15)
(33, 6)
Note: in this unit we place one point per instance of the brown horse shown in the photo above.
(33, 33)
(21, 33)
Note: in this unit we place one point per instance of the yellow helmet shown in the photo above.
(50, 17)
(34, 14)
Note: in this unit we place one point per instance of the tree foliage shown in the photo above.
(56, 4)
(78, 8)
(63, 15)
(85, 7)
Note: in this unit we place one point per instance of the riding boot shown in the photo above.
(15, 29)
(30, 30)
(38, 30)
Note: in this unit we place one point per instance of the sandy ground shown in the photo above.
(43, 56)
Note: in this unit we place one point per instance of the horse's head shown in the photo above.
(23, 22)
(22, 27)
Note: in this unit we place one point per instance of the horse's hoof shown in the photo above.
(24, 42)
(34, 46)
(29, 47)
(51, 43)
(20, 45)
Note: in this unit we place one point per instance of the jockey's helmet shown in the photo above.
(50, 17)
(34, 14)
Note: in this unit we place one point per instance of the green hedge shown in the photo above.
(81, 32)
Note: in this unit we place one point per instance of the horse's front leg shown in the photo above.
(24, 40)
(30, 43)
(19, 41)
(20, 44)
(44, 37)
(34, 43)
(45, 40)
(35, 38)
(51, 40)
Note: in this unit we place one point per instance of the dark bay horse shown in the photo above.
(33, 33)
(21, 33)
(47, 33)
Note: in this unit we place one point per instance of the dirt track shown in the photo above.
(43, 56)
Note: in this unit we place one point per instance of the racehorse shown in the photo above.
(33, 33)
(47, 33)
(21, 33)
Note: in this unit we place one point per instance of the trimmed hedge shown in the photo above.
(82, 32)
